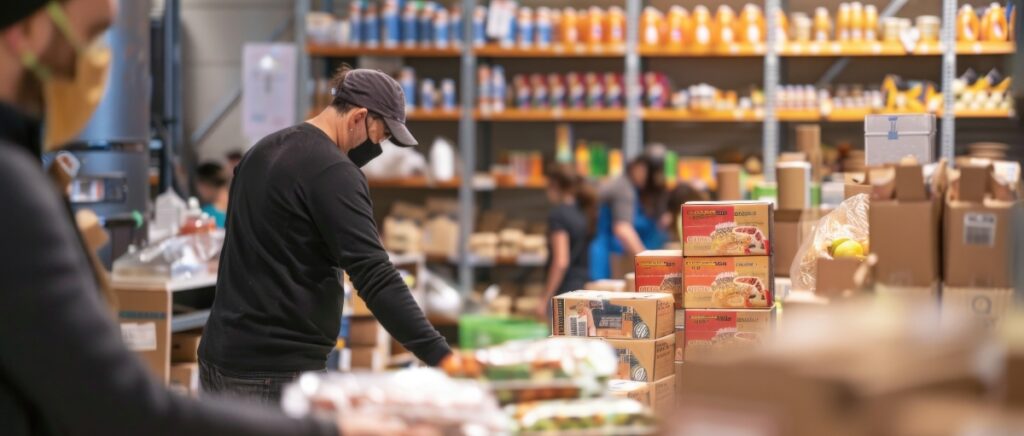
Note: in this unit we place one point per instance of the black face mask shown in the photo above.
(366, 151)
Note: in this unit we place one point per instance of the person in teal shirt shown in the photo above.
(212, 190)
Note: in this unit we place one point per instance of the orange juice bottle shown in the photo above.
(570, 28)
(822, 25)
(996, 28)
(701, 27)
(595, 26)
(616, 32)
(870, 23)
(752, 27)
(582, 158)
(782, 24)
(856, 21)
(678, 26)
(967, 24)
(843, 23)
(650, 34)
(725, 25)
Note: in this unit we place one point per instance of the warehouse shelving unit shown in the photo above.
(633, 115)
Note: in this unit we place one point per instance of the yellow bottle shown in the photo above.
(615, 163)
(995, 29)
(843, 23)
(967, 24)
(856, 21)
(678, 26)
(701, 26)
(570, 27)
(870, 23)
(725, 25)
(582, 158)
(651, 28)
(752, 24)
(822, 25)
(782, 25)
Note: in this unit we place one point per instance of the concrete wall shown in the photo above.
(214, 33)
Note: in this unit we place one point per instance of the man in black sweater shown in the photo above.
(63, 367)
(299, 214)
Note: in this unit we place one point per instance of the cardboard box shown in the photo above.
(742, 228)
(808, 141)
(680, 343)
(905, 232)
(794, 181)
(644, 360)
(889, 138)
(145, 320)
(729, 180)
(660, 271)
(983, 306)
(680, 318)
(185, 347)
(615, 315)
(728, 282)
(630, 282)
(609, 285)
(184, 379)
(663, 396)
(372, 358)
(979, 235)
(836, 276)
(711, 333)
(633, 390)
(365, 332)
(791, 228)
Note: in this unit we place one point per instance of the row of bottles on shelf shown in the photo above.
(429, 95)
(854, 22)
(407, 23)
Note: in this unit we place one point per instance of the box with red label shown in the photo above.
(728, 282)
(660, 271)
(711, 333)
(740, 228)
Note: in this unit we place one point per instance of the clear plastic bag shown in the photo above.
(849, 220)
(419, 398)
(172, 258)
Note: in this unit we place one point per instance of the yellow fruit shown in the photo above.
(848, 250)
(835, 243)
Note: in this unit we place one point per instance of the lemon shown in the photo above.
(835, 243)
(848, 250)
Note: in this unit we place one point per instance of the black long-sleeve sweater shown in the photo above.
(299, 213)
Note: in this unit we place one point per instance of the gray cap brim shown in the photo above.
(400, 134)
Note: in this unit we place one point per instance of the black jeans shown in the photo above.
(258, 386)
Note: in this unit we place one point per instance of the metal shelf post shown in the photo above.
(770, 144)
(467, 146)
(948, 133)
(632, 133)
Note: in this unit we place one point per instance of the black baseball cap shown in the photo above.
(20, 9)
(381, 94)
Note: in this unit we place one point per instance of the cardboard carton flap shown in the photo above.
(910, 183)
(974, 183)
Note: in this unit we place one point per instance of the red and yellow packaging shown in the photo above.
(711, 333)
(716, 228)
(728, 282)
(660, 271)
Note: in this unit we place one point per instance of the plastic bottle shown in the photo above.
(614, 163)
(440, 33)
(616, 26)
(428, 93)
(595, 26)
(967, 24)
(168, 213)
(843, 23)
(391, 23)
(556, 91)
(870, 23)
(524, 22)
(479, 26)
(725, 21)
(442, 160)
(544, 35)
(195, 220)
(448, 94)
(355, 19)
(569, 28)
(498, 88)
(701, 27)
(651, 28)
(752, 23)
(407, 78)
(582, 158)
(857, 21)
(455, 26)
(410, 25)
(822, 25)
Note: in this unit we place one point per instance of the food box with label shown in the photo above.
(728, 282)
(660, 271)
(715, 332)
(614, 315)
(740, 228)
(644, 360)
(634, 390)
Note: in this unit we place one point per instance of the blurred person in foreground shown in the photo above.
(570, 225)
(212, 190)
(630, 209)
(63, 366)
(300, 214)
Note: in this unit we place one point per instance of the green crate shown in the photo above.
(480, 331)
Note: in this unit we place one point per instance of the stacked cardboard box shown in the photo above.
(794, 216)
(981, 224)
(639, 325)
(368, 345)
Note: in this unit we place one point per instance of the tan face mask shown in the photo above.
(70, 102)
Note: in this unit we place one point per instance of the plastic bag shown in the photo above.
(849, 220)
(177, 257)
(610, 416)
(420, 398)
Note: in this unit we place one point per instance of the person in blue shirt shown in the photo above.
(630, 210)
(212, 190)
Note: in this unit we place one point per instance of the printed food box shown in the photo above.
(728, 282)
(660, 271)
(633, 390)
(644, 360)
(613, 315)
(742, 228)
(711, 333)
